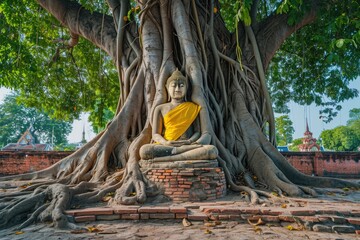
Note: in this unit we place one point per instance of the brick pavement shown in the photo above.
(329, 217)
(310, 214)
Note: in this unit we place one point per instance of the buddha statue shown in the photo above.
(176, 128)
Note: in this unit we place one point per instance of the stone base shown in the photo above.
(191, 183)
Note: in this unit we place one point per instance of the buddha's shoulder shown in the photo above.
(163, 108)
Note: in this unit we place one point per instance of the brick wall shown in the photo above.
(335, 164)
(329, 164)
(22, 162)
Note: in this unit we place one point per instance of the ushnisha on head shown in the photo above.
(176, 75)
(177, 85)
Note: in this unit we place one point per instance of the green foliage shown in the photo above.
(317, 63)
(284, 130)
(48, 76)
(15, 118)
(342, 138)
(354, 116)
(294, 146)
(354, 121)
(65, 147)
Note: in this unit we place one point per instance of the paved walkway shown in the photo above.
(336, 216)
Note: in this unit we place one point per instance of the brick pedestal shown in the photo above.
(189, 183)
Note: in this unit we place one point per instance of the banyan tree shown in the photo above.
(147, 41)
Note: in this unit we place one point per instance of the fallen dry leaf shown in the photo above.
(207, 231)
(19, 232)
(259, 222)
(284, 205)
(94, 229)
(186, 223)
(293, 228)
(258, 230)
(106, 198)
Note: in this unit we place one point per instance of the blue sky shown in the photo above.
(297, 116)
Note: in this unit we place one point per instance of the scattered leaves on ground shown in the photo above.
(19, 232)
(284, 205)
(207, 231)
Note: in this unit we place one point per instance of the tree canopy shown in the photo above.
(344, 138)
(15, 118)
(314, 65)
(284, 130)
(341, 138)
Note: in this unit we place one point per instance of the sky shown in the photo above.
(297, 115)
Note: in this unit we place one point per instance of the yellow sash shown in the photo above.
(179, 119)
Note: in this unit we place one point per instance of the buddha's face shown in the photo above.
(177, 89)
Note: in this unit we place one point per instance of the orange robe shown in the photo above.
(179, 119)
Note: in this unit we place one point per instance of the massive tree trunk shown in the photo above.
(191, 36)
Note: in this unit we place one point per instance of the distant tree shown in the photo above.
(294, 146)
(284, 130)
(16, 118)
(354, 115)
(342, 138)
(354, 121)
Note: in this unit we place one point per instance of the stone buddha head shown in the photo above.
(177, 86)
